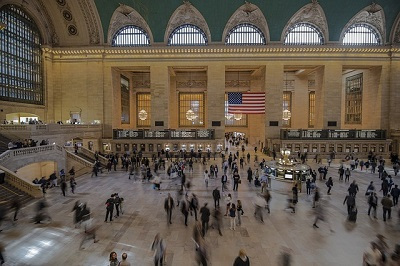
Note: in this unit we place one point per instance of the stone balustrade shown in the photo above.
(89, 153)
(49, 128)
(22, 184)
(80, 160)
(11, 154)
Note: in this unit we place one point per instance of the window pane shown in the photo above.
(353, 108)
(143, 110)
(304, 34)
(361, 34)
(20, 57)
(129, 36)
(194, 103)
(245, 34)
(187, 35)
(311, 109)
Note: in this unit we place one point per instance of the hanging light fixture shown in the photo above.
(286, 115)
(142, 114)
(228, 116)
(237, 116)
(190, 114)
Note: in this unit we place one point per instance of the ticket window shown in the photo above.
(297, 147)
(183, 147)
(167, 147)
(314, 148)
(289, 147)
(305, 148)
(151, 147)
(373, 148)
(323, 148)
(142, 147)
(159, 147)
(176, 148)
(331, 147)
(106, 147)
(200, 147)
(191, 147)
(118, 147)
(381, 148)
(339, 148)
(208, 148)
(90, 145)
(126, 147)
(365, 148)
(348, 148)
(134, 147)
(356, 148)
(219, 147)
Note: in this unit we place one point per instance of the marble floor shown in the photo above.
(57, 242)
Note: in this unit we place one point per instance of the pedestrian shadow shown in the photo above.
(349, 226)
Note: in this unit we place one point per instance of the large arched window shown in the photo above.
(21, 58)
(187, 34)
(130, 36)
(303, 34)
(245, 34)
(361, 34)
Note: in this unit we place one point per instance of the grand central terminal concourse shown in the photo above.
(201, 132)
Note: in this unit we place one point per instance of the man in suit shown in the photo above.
(110, 208)
(216, 195)
(168, 206)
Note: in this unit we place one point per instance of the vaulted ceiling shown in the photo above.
(86, 22)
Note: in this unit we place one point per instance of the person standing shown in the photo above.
(224, 180)
(216, 196)
(341, 173)
(185, 209)
(232, 216)
(72, 184)
(194, 205)
(395, 192)
(353, 188)
(168, 207)
(249, 175)
(240, 212)
(159, 248)
(242, 259)
(228, 200)
(206, 177)
(124, 262)
(373, 203)
(316, 197)
(329, 184)
(295, 192)
(236, 181)
(387, 205)
(205, 218)
(117, 202)
(63, 187)
(308, 186)
(114, 259)
(351, 202)
(110, 208)
(347, 173)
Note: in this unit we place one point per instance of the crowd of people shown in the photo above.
(26, 143)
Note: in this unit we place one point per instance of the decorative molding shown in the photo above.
(311, 13)
(372, 15)
(186, 14)
(92, 24)
(247, 13)
(47, 21)
(141, 84)
(191, 84)
(123, 16)
(237, 84)
(311, 84)
(69, 20)
(396, 30)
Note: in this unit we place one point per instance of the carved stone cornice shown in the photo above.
(48, 22)
(396, 30)
(141, 84)
(186, 14)
(375, 19)
(311, 13)
(237, 84)
(92, 24)
(123, 16)
(247, 13)
(191, 84)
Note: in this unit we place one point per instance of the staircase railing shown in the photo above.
(10, 154)
(103, 160)
(22, 184)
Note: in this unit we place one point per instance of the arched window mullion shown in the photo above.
(187, 34)
(245, 34)
(130, 36)
(303, 34)
(361, 34)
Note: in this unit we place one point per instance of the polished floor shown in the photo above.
(57, 242)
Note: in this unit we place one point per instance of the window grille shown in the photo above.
(195, 102)
(125, 101)
(143, 102)
(353, 99)
(303, 34)
(287, 105)
(311, 109)
(361, 34)
(187, 34)
(245, 34)
(130, 36)
(21, 67)
(230, 121)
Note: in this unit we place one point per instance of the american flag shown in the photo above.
(246, 102)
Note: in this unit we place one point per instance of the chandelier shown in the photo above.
(142, 114)
(190, 115)
(229, 116)
(237, 116)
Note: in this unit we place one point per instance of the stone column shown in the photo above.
(159, 79)
(330, 96)
(215, 99)
(274, 98)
